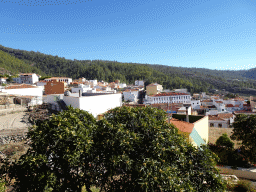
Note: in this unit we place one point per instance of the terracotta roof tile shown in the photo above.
(229, 105)
(207, 100)
(23, 86)
(182, 125)
(225, 115)
(215, 117)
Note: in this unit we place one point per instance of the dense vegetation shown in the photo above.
(194, 79)
(131, 149)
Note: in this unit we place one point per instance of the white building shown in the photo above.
(122, 85)
(131, 95)
(3, 80)
(26, 90)
(60, 79)
(95, 104)
(168, 98)
(183, 110)
(195, 104)
(81, 87)
(27, 78)
(139, 83)
(219, 105)
(93, 82)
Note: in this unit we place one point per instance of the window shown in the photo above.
(211, 124)
(220, 125)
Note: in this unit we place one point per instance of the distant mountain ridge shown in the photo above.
(194, 79)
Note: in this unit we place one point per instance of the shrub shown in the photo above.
(225, 141)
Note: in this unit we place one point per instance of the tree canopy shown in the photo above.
(131, 149)
(245, 131)
(225, 141)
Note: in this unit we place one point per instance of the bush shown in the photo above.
(244, 186)
(225, 141)
(229, 156)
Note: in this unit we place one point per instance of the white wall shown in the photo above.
(195, 104)
(95, 104)
(37, 91)
(202, 128)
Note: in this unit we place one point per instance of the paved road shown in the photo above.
(13, 121)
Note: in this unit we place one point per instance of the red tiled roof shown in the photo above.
(225, 115)
(229, 105)
(20, 86)
(236, 105)
(182, 125)
(218, 101)
(214, 117)
(243, 111)
(207, 100)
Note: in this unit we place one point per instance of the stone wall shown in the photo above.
(215, 133)
(6, 139)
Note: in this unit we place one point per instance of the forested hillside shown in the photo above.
(194, 79)
(15, 65)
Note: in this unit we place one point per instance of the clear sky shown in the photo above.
(215, 34)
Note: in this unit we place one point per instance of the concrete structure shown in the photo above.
(95, 104)
(60, 79)
(153, 89)
(168, 98)
(54, 87)
(139, 83)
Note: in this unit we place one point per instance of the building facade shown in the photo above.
(168, 98)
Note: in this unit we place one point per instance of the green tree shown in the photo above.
(225, 141)
(245, 131)
(137, 150)
(131, 149)
(58, 158)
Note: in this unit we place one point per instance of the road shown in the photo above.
(14, 121)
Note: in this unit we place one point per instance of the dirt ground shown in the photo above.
(14, 121)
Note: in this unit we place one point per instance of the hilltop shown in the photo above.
(194, 79)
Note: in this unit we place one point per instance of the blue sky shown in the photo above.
(214, 34)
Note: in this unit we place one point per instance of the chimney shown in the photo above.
(187, 106)
(187, 118)
(80, 93)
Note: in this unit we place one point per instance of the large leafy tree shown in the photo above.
(137, 150)
(245, 131)
(131, 149)
(58, 157)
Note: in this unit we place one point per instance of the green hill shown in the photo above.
(194, 79)
(14, 65)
